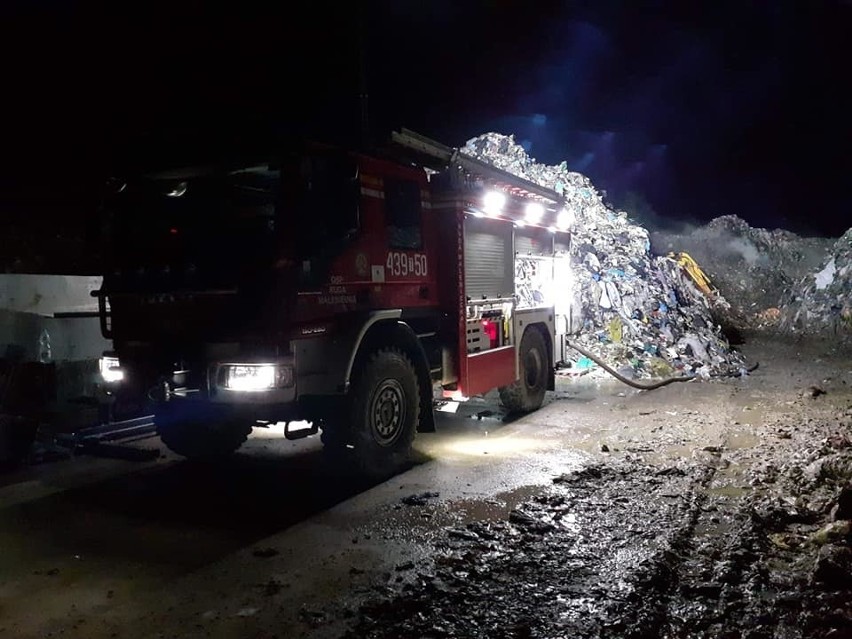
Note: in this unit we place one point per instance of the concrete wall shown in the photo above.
(28, 307)
(48, 294)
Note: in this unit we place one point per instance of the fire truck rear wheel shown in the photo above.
(202, 439)
(527, 394)
(385, 405)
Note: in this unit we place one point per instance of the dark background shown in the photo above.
(689, 110)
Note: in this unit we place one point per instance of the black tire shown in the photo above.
(201, 439)
(17, 435)
(339, 457)
(384, 412)
(527, 393)
(336, 439)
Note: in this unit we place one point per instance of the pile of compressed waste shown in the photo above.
(643, 314)
(754, 268)
(821, 302)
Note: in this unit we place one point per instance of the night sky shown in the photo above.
(699, 109)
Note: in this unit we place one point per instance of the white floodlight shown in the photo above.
(565, 219)
(535, 212)
(493, 203)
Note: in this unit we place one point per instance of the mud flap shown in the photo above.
(421, 365)
(427, 413)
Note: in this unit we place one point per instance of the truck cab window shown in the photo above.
(191, 227)
(252, 192)
(403, 211)
(327, 211)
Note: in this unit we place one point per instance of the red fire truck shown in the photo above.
(332, 287)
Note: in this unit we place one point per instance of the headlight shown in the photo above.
(255, 377)
(110, 369)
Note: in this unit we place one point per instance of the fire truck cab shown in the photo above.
(336, 288)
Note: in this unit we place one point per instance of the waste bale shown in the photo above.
(630, 307)
(821, 302)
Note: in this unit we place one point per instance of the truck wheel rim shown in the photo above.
(387, 411)
(532, 368)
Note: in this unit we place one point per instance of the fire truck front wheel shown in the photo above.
(385, 412)
(202, 439)
(527, 393)
(17, 435)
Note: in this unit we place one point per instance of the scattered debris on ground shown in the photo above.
(624, 548)
(419, 499)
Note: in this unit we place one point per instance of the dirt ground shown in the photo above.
(706, 509)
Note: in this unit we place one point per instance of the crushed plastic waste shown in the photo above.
(628, 306)
(754, 268)
(821, 302)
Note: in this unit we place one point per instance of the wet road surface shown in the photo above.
(690, 511)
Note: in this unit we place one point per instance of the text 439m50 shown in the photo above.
(403, 264)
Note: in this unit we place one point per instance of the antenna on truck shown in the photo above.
(363, 94)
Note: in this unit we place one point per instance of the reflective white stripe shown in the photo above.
(373, 193)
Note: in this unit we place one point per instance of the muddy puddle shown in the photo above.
(425, 516)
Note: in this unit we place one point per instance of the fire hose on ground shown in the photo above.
(630, 382)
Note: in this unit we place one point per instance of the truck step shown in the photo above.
(300, 433)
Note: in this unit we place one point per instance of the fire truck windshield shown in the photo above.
(205, 228)
(192, 228)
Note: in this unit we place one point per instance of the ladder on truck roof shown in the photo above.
(439, 157)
